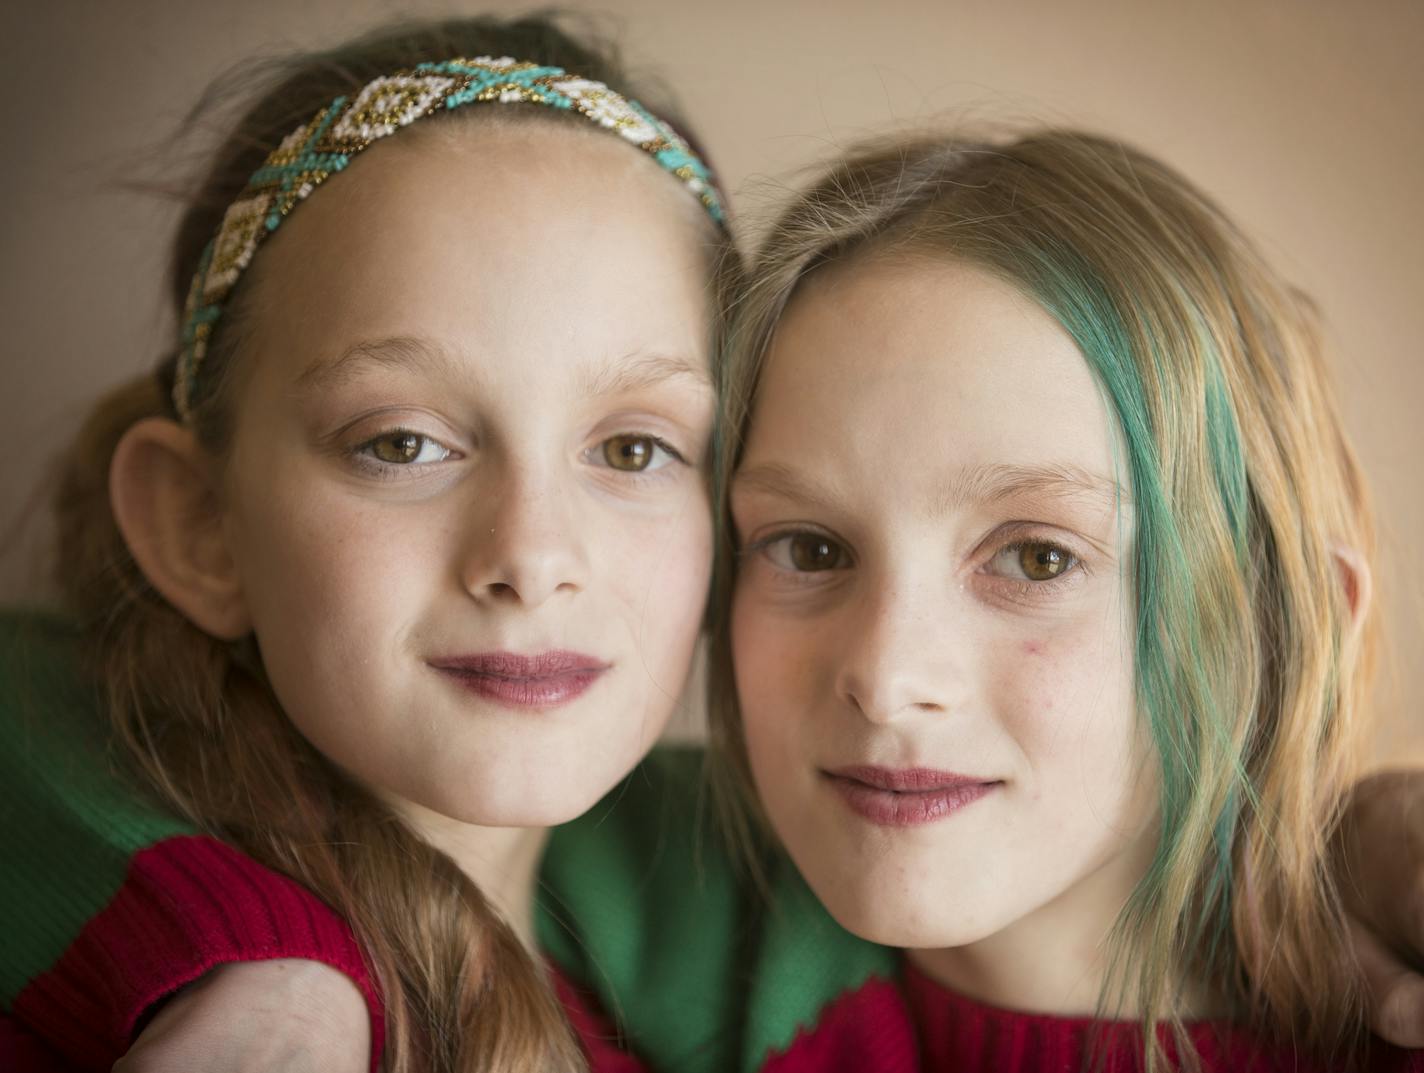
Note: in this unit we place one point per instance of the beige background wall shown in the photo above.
(1306, 119)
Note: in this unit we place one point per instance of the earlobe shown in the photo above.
(161, 487)
(1357, 581)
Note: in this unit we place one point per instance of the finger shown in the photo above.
(1394, 994)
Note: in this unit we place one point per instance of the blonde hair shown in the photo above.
(1249, 673)
(197, 716)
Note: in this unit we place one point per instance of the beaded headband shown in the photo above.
(327, 143)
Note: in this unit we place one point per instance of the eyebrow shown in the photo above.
(640, 371)
(637, 372)
(996, 482)
(783, 482)
(989, 483)
(395, 352)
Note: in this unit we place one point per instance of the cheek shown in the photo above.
(652, 573)
(773, 673)
(330, 559)
(1067, 699)
(674, 580)
(334, 585)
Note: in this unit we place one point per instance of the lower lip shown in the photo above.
(544, 691)
(907, 808)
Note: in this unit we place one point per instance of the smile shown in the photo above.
(543, 680)
(907, 797)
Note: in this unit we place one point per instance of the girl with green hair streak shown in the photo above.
(1043, 619)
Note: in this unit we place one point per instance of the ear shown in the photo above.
(1357, 581)
(162, 486)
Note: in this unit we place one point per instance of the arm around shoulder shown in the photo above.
(112, 905)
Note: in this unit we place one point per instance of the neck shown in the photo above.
(1052, 961)
(502, 861)
(1056, 960)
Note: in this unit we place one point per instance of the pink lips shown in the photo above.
(543, 680)
(906, 797)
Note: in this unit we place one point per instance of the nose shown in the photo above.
(526, 543)
(901, 656)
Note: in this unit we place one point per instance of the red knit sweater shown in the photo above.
(191, 903)
(957, 1033)
(188, 905)
(109, 906)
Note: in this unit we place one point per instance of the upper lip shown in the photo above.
(555, 663)
(906, 780)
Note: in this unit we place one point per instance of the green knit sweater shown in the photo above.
(638, 900)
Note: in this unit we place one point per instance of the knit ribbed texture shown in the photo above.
(965, 1036)
(21, 1051)
(602, 1042)
(187, 905)
(867, 1030)
(69, 822)
(641, 904)
(109, 903)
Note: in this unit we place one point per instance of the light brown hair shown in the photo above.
(196, 715)
(1249, 669)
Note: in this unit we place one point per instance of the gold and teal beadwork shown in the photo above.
(326, 144)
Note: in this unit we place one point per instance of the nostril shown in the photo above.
(501, 588)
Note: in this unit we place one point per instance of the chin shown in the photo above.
(540, 777)
(503, 810)
(911, 919)
(550, 802)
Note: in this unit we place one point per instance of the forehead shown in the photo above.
(489, 234)
(909, 368)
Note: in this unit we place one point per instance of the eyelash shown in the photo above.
(360, 455)
(785, 536)
(383, 470)
(646, 474)
(1026, 587)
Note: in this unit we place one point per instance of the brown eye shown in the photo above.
(403, 448)
(399, 447)
(631, 454)
(809, 552)
(1043, 562)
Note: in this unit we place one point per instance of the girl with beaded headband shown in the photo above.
(1048, 610)
(402, 559)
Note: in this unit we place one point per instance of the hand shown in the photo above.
(285, 1015)
(1381, 858)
